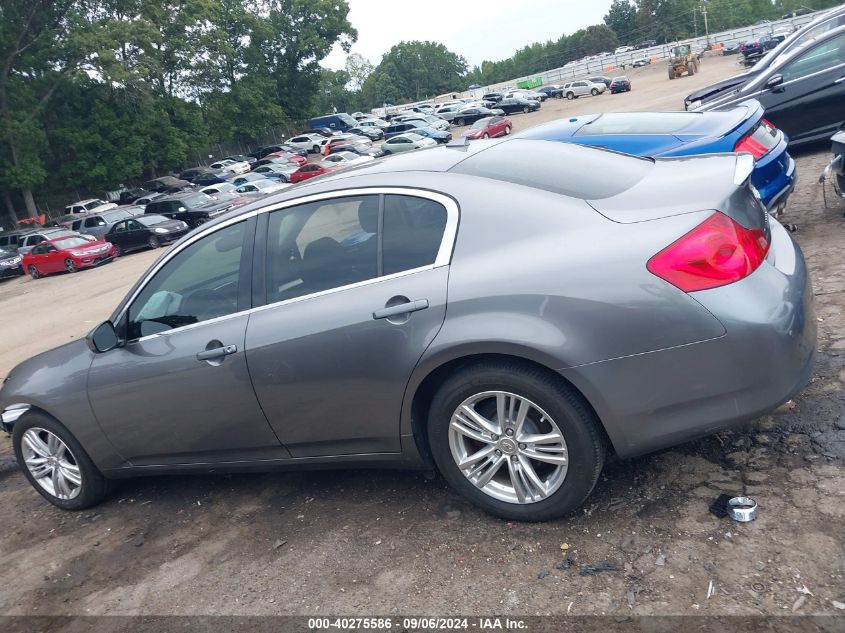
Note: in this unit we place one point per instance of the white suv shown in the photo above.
(309, 142)
(89, 206)
(582, 88)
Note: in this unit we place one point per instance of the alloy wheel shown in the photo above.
(153, 242)
(70, 265)
(33, 272)
(51, 463)
(508, 447)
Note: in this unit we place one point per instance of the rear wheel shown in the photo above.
(514, 441)
(152, 242)
(71, 266)
(691, 69)
(33, 272)
(671, 73)
(56, 464)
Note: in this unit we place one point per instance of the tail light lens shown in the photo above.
(759, 141)
(716, 253)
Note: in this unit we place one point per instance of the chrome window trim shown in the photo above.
(444, 254)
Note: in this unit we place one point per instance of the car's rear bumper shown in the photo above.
(658, 399)
(775, 177)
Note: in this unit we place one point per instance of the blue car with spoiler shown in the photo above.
(665, 134)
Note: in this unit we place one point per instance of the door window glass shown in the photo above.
(321, 245)
(198, 284)
(817, 59)
(413, 231)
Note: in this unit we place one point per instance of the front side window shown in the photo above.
(200, 283)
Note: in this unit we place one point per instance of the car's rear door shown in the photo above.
(355, 288)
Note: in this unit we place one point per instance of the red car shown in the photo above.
(491, 127)
(291, 158)
(70, 253)
(308, 171)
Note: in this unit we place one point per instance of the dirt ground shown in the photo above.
(381, 542)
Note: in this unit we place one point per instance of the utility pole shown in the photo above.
(706, 28)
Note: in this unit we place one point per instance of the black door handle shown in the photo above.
(217, 352)
(402, 308)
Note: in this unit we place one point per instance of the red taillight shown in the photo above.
(758, 145)
(715, 253)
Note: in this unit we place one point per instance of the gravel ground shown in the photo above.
(380, 542)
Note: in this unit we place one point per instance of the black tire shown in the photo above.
(526, 109)
(71, 266)
(153, 242)
(594, 92)
(316, 149)
(691, 69)
(33, 272)
(461, 122)
(576, 420)
(118, 251)
(94, 487)
(570, 95)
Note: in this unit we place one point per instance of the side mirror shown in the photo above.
(774, 81)
(103, 338)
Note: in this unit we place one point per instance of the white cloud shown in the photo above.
(476, 29)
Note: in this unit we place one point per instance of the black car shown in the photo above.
(261, 152)
(752, 51)
(518, 104)
(620, 84)
(131, 195)
(370, 131)
(166, 184)
(10, 263)
(600, 79)
(193, 208)
(145, 231)
(731, 49)
(493, 96)
(803, 90)
(551, 91)
(471, 115)
(646, 44)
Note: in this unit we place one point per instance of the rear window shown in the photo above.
(639, 123)
(563, 168)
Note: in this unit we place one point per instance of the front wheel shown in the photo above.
(570, 95)
(316, 149)
(507, 130)
(486, 136)
(152, 242)
(71, 266)
(33, 272)
(594, 92)
(461, 122)
(118, 251)
(56, 464)
(515, 441)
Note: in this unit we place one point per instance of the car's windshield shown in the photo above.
(4, 252)
(197, 200)
(70, 242)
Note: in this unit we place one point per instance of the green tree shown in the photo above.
(358, 68)
(621, 18)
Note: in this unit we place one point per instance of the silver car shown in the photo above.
(502, 312)
(583, 88)
(98, 224)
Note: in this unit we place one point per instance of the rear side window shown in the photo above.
(413, 232)
(639, 122)
(539, 164)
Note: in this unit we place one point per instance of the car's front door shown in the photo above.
(810, 101)
(178, 391)
(331, 352)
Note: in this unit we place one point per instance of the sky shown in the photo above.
(476, 29)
